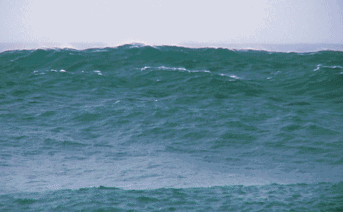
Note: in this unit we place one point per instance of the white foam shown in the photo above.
(99, 72)
(171, 68)
(145, 67)
(231, 76)
(201, 71)
(181, 69)
(333, 67)
(318, 67)
(234, 76)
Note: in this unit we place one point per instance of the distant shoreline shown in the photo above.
(298, 47)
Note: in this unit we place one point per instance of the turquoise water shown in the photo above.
(163, 128)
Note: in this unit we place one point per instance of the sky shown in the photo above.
(158, 22)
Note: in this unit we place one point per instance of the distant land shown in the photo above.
(297, 47)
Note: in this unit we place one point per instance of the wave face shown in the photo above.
(170, 128)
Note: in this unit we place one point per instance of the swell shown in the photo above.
(58, 81)
(281, 111)
(202, 76)
(322, 196)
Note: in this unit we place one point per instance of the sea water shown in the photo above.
(167, 128)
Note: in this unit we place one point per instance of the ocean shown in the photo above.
(171, 128)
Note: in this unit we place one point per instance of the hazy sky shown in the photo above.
(172, 22)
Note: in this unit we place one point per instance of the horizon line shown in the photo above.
(272, 47)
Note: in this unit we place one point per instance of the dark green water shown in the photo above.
(169, 128)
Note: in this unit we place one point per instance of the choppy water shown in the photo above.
(170, 128)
